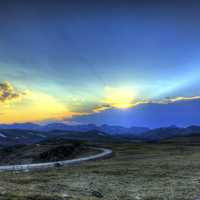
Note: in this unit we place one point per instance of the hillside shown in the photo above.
(149, 171)
(50, 150)
(169, 132)
(17, 136)
(9, 137)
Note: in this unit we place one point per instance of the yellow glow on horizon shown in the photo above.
(35, 106)
(121, 97)
(39, 106)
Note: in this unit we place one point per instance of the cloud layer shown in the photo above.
(39, 106)
(134, 103)
(180, 111)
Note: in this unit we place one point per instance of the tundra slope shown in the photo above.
(104, 154)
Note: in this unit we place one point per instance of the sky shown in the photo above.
(100, 62)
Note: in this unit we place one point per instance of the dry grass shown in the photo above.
(168, 171)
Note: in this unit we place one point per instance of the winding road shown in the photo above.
(105, 153)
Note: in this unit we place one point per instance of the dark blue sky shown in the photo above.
(84, 55)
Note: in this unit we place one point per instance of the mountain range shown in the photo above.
(112, 130)
(26, 133)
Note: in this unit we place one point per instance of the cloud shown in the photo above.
(134, 103)
(167, 100)
(125, 98)
(9, 93)
(180, 111)
(101, 108)
(170, 100)
(39, 106)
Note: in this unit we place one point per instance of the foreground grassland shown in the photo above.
(166, 171)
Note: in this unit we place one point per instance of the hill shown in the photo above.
(16, 136)
(169, 132)
(46, 151)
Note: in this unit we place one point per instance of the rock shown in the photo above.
(2, 192)
(97, 194)
(26, 170)
(65, 196)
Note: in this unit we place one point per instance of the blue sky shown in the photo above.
(83, 56)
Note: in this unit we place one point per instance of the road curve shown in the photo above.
(26, 167)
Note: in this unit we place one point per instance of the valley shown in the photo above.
(147, 171)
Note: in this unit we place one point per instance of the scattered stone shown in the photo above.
(2, 192)
(27, 170)
(138, 197)
(65, 196)
(97, 194)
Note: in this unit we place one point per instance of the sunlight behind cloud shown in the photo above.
(119, 97)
